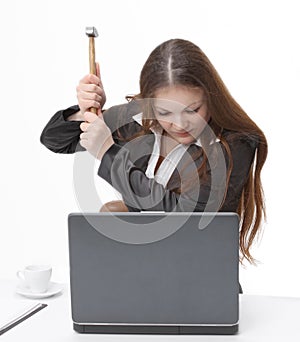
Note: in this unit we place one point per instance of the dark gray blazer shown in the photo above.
(125, 163)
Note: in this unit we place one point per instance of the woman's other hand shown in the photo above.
(96, 137)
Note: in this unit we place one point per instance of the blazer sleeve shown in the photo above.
(141, 193)
(138, 191)
(62, 136)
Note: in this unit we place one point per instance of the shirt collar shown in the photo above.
(158, 131)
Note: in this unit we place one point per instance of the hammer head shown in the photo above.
(91, 31)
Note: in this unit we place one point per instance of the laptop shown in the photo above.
(154, 273)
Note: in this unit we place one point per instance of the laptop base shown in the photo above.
(151, 329)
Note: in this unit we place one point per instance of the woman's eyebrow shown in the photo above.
(168, 110)
(156, 107)
(199, 101)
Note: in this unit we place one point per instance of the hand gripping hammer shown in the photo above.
(92, 33)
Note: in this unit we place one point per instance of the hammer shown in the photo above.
(92, 33)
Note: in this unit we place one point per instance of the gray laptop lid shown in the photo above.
(188, 276)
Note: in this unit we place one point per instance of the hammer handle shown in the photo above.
(92, 63)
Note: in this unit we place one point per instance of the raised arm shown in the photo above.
(61, 134)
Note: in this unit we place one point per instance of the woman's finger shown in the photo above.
(88, 104)
(83, 95)
(89, 88)
(101, 84)
(99, 113)
(90, 79)
(83, 136)
(98, 72)
(84, 126)
(84, 143)
(90, 117)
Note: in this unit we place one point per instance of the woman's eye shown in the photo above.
(164, 113)
(191, 111)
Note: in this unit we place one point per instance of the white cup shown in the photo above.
(36, 277)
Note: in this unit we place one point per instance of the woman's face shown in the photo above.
(181, 112)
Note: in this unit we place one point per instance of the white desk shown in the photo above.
(262, 318)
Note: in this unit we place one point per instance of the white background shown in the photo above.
(254, 45)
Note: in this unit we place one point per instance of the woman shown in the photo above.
(182, 144)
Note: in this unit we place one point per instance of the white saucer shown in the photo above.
(54, 288)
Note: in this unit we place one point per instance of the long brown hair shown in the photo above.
(180, 62)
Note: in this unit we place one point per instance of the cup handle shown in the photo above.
(20, 275)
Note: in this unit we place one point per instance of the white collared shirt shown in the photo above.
(168, 165)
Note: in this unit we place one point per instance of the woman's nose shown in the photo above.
(180, 123)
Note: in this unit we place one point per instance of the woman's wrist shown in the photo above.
(76, 117)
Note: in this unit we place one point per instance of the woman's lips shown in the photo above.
(181, 134)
